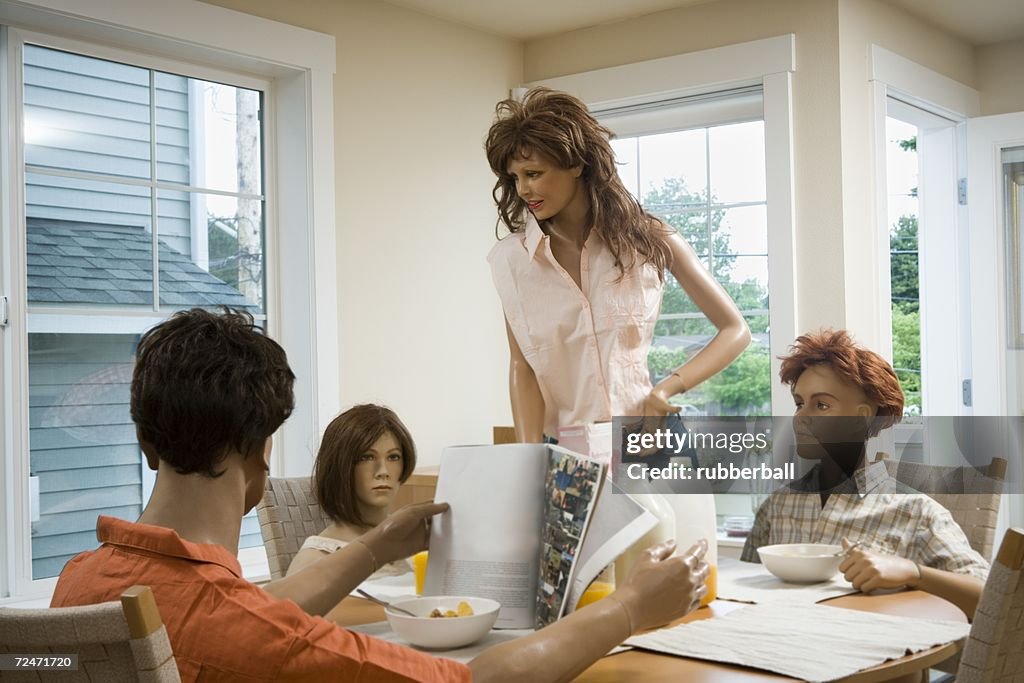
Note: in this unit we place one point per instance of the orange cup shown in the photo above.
(712, 584)
(595, 591)
(419, 569)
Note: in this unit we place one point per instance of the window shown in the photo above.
(143, 194)
(171, 128)
(708, 182)
(905, 293)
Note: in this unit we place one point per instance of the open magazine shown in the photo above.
(530, 525)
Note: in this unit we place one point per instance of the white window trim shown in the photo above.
(771, 62)
(896, 77)
(300, 186)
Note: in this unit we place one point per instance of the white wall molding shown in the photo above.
(677, 75)
(913, 83)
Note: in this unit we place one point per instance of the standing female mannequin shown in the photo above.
(581, 276)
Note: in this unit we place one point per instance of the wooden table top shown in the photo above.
(637, 665)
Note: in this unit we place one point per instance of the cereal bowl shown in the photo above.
(801, 562)
(443, 633)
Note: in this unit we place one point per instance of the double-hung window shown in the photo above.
(149, 152)
(698, 164)
(143, 195)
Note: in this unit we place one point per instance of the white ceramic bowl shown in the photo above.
(443, 633)
(801, 562)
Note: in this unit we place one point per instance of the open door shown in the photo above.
(995, 171)
(995, 194)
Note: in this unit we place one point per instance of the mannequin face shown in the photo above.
(377, 473)
(821, 396)
(546, 188)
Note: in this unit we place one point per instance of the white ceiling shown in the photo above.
(978, 21)
(527, 19)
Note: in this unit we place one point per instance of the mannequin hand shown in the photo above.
(867, 570)
(656, 408)
(661, 588)
(404, 532)
(656, 403)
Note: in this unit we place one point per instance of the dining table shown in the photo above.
(641, 665)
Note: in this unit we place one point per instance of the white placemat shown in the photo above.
(390, 588)
(810, 642)
(751, 582)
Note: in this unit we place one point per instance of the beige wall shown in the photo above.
(831, 112)
(420, 327)
(1000, 70)
(861, 24)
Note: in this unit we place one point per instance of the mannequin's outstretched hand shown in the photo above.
(403, 533)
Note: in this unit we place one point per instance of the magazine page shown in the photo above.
(488, 543)
(617, 523)
(570, 488)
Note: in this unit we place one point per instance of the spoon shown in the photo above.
(846, 550)
(383, 603)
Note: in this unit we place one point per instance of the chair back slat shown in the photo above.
(288, 515)
(995, 647)
(101, 635)
(970, 494)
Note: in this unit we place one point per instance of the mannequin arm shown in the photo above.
(527, 402)
(962, 590)
(733, 334)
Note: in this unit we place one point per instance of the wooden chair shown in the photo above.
(114, 641)
(995, 646)
(288, 514)
(971, 495)
(504, 434)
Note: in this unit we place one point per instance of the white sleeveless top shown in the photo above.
(587, 345)
(330, 545)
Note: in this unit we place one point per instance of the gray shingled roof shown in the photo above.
(77, 262)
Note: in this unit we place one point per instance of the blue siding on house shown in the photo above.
(81, 440)
(91, 115)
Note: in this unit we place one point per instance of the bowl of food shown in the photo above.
(802, 562)
(443, 622)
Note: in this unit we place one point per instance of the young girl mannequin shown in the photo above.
(365, 456)
(580, 278)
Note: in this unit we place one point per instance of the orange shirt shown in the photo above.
(224, 628)
(587, 345)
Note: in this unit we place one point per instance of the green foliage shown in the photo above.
(909, 145)
(744, 387)
(903, 254)
(662, 360)
(906, 356)
(746, 384)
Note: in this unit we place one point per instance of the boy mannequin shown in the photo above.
(844, 395)
(208, 390)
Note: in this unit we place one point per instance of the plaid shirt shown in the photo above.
(874, 509)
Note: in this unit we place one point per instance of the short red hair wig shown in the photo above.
(855, 364)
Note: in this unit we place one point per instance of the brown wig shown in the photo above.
(855, 364)
(558, 126)
(205, 384)
(349, 436)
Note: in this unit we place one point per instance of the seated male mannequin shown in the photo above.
(844, 395)
(208, 391)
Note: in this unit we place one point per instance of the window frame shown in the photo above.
(298, 65)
